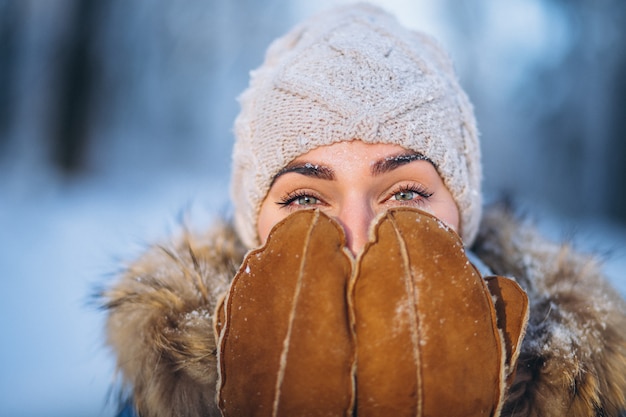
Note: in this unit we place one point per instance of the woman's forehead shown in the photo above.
(353, 149)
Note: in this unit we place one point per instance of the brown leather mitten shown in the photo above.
(511, 304)
(428, 342)
(285, 341)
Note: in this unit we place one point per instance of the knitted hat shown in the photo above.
(354, 73)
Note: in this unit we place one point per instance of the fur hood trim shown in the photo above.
(572, 360)
(160, 322)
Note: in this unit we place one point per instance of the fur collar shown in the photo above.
(572, 362)
(573, 357)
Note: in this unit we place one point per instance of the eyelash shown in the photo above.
(416, 188)
(291, 197)
(419, 189)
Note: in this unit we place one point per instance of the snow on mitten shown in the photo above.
(285, 343)
(427, 335)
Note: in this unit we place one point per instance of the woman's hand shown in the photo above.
(286, 346)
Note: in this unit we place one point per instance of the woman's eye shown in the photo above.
(412, 193)
(405, 195)
(306, 200)
(299, 199)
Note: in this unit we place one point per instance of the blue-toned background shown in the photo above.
(115, 123)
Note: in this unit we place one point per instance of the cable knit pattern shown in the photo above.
(354, 73)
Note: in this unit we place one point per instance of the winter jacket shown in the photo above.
(572, 360)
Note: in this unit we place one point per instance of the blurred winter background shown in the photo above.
(115, 122)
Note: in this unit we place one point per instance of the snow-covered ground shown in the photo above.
(59, 241)
(57, 244)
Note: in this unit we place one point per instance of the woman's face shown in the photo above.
(353, 182)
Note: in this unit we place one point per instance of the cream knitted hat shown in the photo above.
(353, 73)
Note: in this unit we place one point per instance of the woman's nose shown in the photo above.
(356, 220)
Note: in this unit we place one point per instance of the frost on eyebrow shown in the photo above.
(392, 162)
(307, 169)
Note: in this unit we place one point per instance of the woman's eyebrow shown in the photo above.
(392, 162)
(307, 169)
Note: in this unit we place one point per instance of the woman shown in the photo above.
(356, 117)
